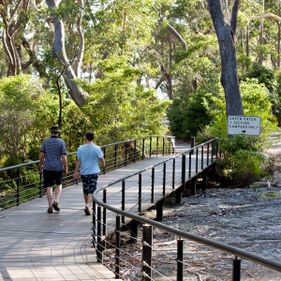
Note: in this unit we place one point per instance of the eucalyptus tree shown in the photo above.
(71, 69)
(225, 27)
(14, 17)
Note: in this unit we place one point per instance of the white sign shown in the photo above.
(248, 125)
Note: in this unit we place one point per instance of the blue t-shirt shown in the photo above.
(53, 148)
(89, 155)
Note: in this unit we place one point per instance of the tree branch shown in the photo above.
(69, 75)
(177, 35)
(268, 15)
(78, 61)
(234, 14)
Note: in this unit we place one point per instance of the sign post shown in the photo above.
(243, 125)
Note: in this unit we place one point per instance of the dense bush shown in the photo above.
(242, 161)
(119, 108)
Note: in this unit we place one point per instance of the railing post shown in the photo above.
(115, 155)
(126, 153)
(143, 148)
(134, 228)
(189, 164)
(104, 213)
(179, 196)
(205, 181)
(117, 247)
(208, 151)
(194, 186)
(123, 199)
(40, 192)
(183, 169)
(217, 148)
(152, 184)
(159, 210)
(163, 149)
(147, 253)
(94, 224)
(18, 187)
(135, 150)
(236, 272)
(196, 165)
(104, 156)
(164, 179)
(202, 157)
(99, 244)
(212, 155)
(174, 173)
(192, 144)
(179, 260)
(140, 192)
(157, 145)
(170, 144)
(150, 146)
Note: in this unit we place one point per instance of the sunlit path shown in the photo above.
(35, 245)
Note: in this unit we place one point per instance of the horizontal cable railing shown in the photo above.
(117, 220)
(23, 182)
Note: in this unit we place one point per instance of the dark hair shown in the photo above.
(89, 136)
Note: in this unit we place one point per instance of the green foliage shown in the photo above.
(189, 115)
(120, 107)
(242, 162)
(263, 74)
(275, 97)
(256, 102)
(18, 98)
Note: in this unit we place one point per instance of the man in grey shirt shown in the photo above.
(53, 162)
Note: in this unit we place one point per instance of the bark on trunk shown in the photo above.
(69, 75)
(229, 77)
(14, 19)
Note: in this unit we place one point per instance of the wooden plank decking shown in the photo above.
(35, 245)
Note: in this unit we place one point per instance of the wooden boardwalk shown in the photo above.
(35, 245)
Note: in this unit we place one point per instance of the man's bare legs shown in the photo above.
(50, 196)
(58, 193)
(53, 201)
(88, 199)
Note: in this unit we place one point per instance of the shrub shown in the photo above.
(242, 162)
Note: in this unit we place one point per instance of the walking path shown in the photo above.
(37, 246)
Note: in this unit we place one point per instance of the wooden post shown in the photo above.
(194, 186)
(117, 248)
(147, 253)
(159, 210)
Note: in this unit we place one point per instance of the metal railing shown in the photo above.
(117, 219)
(23, 182)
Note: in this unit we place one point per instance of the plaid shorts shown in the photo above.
(89, 183)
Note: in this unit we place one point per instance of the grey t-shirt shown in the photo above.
(53, 148)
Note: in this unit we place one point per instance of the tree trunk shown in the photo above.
(69, 75)
(229, 77)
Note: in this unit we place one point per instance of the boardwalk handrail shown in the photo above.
(235, 251)
(74, 153)
(154, 166)
(23, 182)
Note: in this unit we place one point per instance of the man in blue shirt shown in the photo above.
(52, 163)
(89, 156)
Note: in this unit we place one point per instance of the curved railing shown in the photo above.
(23, 182)
(122, 216)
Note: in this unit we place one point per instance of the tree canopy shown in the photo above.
(119, 66)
